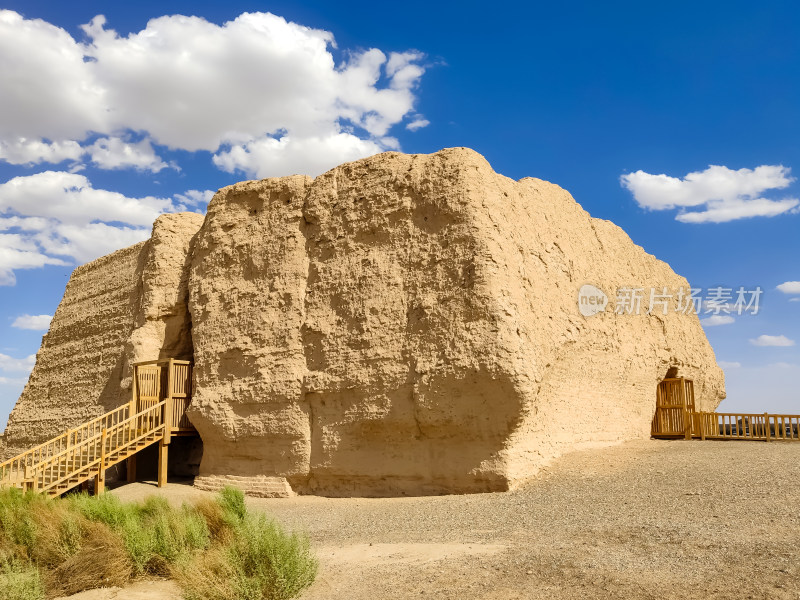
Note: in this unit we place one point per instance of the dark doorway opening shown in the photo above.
(183, 461)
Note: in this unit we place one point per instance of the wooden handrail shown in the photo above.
(65, 436)
(785, 416)
(125, 423)
(92, 447)
(100, 451)
(55, 457)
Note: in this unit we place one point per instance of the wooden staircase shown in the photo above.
(155, 413)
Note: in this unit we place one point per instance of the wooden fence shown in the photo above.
(739, 426)
(676, 417)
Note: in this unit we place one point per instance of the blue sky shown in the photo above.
(680, 124)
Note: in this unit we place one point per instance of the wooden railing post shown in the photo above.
(163, 463)
(69, 463)
(131, 462)
(163, 446)
(28, 482)
(170, 407)
(687, 417)
(134, 383)
(134, 404)
(767, 426)
(100, 478)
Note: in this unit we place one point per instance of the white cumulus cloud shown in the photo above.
(115, 153)
(194, 197)
(19, 251)
(259, 94)
(70, 198)
(716, 195)
(725, 364)
(17, 365)
(54, 216)
(33, 322)
(53, 95)
(790, 287)
(270, 157)
(714, 320)
(417, 123)
(89, 241)
(21, 151)
(247, 90)
(772, 340)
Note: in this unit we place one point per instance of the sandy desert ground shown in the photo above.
(644, 519)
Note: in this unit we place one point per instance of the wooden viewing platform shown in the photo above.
(676, 417)
(161, 392)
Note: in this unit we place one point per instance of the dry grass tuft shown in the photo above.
(102, 561)
(59, 534)
(209, 577)
(219, 525)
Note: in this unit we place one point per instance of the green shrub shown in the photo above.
(232, 502)
(216, 548)
(258, 560)
(70, 532)
(16, 518)
(174, 534)
(20, 580)
(105, 508)
(58, 534)
(267, 558)
(155, 534)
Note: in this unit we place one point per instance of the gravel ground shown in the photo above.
(644, 519)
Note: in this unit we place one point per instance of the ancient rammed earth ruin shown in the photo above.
(403, 324)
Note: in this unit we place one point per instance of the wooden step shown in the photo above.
(72, 470)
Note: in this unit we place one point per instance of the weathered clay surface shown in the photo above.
(403, 324)
(118, 309)
(409, 324)
(82, 358)
(163, 327)
(248, 280)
